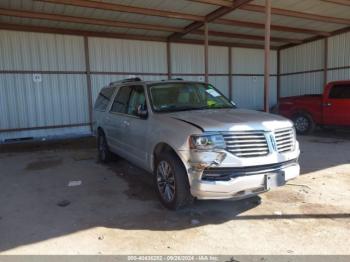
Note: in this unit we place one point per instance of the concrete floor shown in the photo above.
(115, 210)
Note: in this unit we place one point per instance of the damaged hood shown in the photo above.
(232, 120)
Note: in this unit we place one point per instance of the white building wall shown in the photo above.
(310, 57)
(339, 57)
(251, 61)
(119, 55)
(56, 99)
(248, 91)
(219, 64)
(305, 57)
(187, 59)
(295, 61)
(248, 79)
(61, 97)
(135, 58)
(218, 60)
(187, 62)
(221, 83)
(39, 51)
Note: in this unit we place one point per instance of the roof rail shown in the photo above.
(127, 80)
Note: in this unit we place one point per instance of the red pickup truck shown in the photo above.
(330, 109)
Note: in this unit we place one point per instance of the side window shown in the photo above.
(137, 100)
(103, 98)
(340, 92)
(121, 100)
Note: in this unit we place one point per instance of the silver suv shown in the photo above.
(194, 141)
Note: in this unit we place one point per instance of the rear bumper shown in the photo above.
(243, 183)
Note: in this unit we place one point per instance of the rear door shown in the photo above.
(100, 106)
(115, 120)
(337, 105)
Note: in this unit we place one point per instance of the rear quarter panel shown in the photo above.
(97, 117)
(311, 105)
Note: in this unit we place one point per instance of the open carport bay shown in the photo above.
(115, 209)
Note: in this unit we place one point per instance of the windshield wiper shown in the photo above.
(190, 108)
(223, 107)
(214, 107)
(183, 108)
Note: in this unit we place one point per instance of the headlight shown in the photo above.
(207, 142)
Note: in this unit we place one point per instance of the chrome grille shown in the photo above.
(285, 139)
(246, 144)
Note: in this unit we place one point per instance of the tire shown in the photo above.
(171, 181)
(104, 155)
(304, 124)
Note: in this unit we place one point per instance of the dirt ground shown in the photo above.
(115, 209)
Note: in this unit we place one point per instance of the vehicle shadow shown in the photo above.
(122, 198)
(36, 204)
(324, 149)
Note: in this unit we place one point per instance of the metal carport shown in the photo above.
(50, 45)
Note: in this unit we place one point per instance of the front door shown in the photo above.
(136, 127)
(336, 105)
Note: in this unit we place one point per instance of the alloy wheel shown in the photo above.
(301, 124)
(166, 181)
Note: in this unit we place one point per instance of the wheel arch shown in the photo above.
(302, 111)
(100, 130)
(163, 147)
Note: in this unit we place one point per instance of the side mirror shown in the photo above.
(142, 112)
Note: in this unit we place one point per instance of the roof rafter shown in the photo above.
(245, 36)
(54, 30)
(311, 39)
(297, 14)
(278, 11)
(177, 15)
(86, 20)
(42, 29)
(215, 2)
(210, 18)
(338, 2)
(125, 8)
(273, 27)
(118, 24)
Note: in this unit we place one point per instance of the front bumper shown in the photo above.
(243, 183)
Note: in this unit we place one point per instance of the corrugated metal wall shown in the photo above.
(43, 52)
(57, 99)
(339, 57)
(187, 62)
(248, 79)
(310, 57)
(60, 98)
(186, 58)
(247, 65)
(109, 58)
(219, 64)
(295, 61)
(118, 55)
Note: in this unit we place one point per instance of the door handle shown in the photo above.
(327, 104)
(126, 123)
